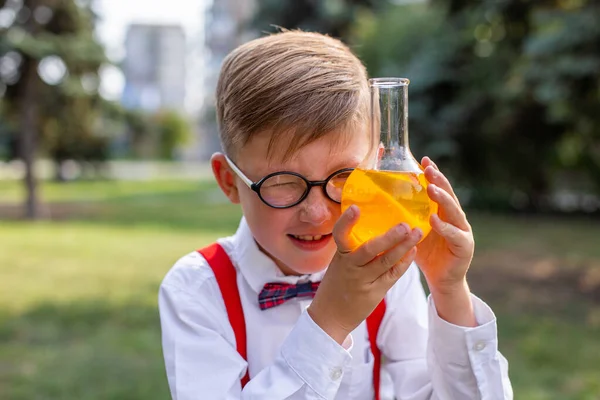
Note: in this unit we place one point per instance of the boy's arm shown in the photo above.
(202, 361)
(428, 358)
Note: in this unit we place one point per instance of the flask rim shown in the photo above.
(388, 82)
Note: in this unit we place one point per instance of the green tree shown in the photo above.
(52, 40)
(563, 75)
(333, 17)
(503, 93)
(173, 132)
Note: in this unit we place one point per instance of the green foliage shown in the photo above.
(69, 109)
(334, 17)
(141, 133)
(564, 74)
(173, 132)
(504, 94)
(155, 135)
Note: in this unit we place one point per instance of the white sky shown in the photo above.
(116, 15)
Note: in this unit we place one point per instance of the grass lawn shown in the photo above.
(78, 316)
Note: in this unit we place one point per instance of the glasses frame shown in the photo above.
(255, 186)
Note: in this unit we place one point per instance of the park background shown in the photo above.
(107, 122)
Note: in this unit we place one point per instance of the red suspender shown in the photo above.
(373, 323)
(226, 279)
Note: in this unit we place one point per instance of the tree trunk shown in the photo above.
(29, 119)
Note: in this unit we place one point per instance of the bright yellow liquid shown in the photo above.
(385, 199)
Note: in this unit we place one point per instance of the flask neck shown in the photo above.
(390, 121)
(395, 141)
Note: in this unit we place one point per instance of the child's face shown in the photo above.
(277, 230)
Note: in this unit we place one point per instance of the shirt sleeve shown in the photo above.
(429, 358)
(202, 361)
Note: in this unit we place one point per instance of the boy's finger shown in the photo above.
(396, 272)
(385, 261)
(342, 231)
(434, 176)
(451, 210)
(459, 241)
(368, 251)
(426, 161)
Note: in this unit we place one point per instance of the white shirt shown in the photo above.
(291, 357)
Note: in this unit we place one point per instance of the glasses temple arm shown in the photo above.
(238, 172)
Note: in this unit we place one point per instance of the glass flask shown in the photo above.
(389, 186)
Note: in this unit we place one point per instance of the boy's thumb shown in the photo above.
(342, 232)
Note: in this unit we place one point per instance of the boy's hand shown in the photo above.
(358, 279)
(445, 254)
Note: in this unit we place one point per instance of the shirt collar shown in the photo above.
(256, 267)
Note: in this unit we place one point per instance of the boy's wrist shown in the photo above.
(336, 331)
(454, 305)
(449, 290)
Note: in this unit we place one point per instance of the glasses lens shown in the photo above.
(283, 190)
(335, 185)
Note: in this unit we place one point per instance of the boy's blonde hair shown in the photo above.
(294, 85)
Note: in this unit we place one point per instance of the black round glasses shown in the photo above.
(285, 189)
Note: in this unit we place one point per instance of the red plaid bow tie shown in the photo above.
(276, 293)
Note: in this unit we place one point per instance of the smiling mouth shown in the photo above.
(310, 238)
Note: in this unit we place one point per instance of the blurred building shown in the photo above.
(154, 67)
(227, 26)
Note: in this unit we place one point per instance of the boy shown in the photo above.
(293, 110)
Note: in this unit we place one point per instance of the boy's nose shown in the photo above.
(316, 207)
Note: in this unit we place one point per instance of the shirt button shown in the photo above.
(336, 373)
(479, 346)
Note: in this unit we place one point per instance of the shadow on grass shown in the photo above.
(548, 326)
(541, 276)
(94, 349)
(84, 350)
(550, 358)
